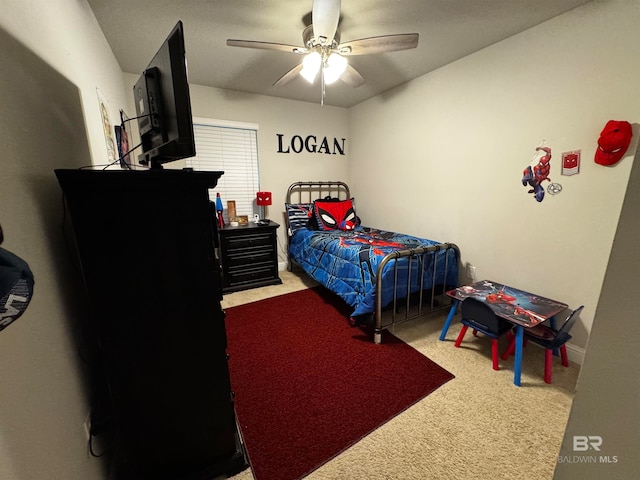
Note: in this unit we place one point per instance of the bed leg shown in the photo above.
(377, 336)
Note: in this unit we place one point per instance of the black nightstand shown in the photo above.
(249, 256)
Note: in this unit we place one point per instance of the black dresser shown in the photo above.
(249, 256)
(146, 247)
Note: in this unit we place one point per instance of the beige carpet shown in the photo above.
(477, 426)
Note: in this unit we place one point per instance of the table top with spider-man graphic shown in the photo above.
(517, 306)
(523, 309)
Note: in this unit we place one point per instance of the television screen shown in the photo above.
(163, 105)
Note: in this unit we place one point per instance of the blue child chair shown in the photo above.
(480, 318)
(551, 339)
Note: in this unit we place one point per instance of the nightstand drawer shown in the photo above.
(250, 256)
(234, 242)
(239, 276)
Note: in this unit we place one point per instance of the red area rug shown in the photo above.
(308, 385)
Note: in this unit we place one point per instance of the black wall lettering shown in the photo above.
(297, 144)
(280, 135)
(312, 148)
(324, 147)
(310, 144)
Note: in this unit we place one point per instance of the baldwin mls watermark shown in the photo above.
(586, 448)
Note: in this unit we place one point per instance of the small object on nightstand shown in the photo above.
(231, 209)
(263, 199)
(219, 210)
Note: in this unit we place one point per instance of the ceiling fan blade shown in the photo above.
(279, 47)
(325, 15)
(287, 77)
(352, 77)
(384, 43)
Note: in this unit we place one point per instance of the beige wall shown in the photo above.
(277, 116)
(443, 155)
(456, 140)
(65, 35)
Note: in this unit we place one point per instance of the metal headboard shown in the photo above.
(307, 192)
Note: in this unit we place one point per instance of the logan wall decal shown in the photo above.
(310, 144)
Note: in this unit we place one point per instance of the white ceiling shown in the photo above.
(449, 30)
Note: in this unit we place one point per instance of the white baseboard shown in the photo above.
(575, 354)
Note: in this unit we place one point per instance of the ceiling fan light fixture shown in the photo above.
(323, 51)
(335, 67)
(311, 66)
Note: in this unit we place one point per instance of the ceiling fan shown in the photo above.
(323, 52)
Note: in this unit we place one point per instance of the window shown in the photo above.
(231, 147)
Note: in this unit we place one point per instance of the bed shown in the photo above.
(372, 270)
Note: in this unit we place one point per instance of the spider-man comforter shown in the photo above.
(346, 262)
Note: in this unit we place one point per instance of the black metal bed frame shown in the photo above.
(405, 305)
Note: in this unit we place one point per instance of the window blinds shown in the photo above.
(230, 147)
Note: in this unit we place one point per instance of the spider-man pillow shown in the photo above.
(299, 215)
(336, 215)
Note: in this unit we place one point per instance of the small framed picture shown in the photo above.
(122, 139)
(571, 162)
(243, 220)
(109, 132)
(231, 210)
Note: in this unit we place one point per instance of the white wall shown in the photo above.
(53, 59)
(66, 35)
(443, 155)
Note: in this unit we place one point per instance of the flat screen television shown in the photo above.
(163, 105)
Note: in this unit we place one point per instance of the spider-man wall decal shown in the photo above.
(538, 172)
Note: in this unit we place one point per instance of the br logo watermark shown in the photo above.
(587, 443)
(583, 443)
